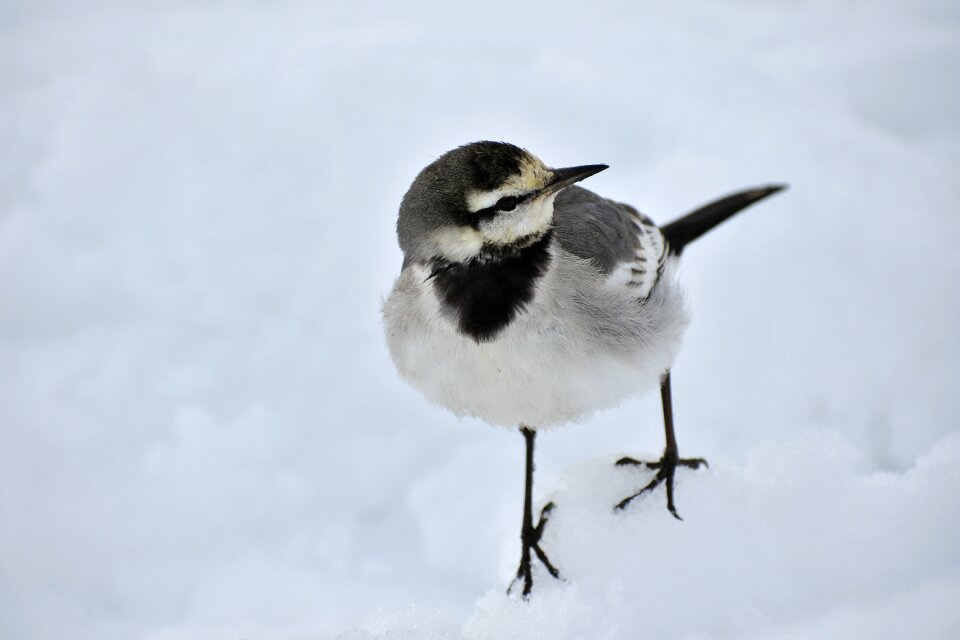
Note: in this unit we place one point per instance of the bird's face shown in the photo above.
(485, 198)
(519, 210)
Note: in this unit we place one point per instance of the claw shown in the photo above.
(544, 517)
(665, 466)
(531, 541)
(670, 506)
(546, 562)
(650, 486)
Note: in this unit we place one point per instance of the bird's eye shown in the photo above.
(509, 203)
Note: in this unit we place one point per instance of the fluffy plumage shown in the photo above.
(587, 339)
(525, 301)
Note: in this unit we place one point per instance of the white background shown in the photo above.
(202, 435)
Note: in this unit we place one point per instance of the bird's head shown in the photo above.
(484, 198)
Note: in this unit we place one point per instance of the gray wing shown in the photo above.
(622, 242)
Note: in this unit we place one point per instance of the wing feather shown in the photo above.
(623, 243)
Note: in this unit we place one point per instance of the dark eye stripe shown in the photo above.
(506, 203)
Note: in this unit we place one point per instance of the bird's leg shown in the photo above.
(530, 535)
(667, 465)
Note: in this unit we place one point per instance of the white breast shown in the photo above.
(584, 343)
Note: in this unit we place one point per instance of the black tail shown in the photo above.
(685, 230)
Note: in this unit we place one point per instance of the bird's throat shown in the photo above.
(484, 295)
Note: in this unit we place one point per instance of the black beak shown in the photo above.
(566, 177)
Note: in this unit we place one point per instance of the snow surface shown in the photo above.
(201, 433)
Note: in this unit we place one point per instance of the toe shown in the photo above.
(693, 463)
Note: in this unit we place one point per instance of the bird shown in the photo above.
(528, 301)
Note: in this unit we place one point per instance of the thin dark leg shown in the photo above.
(667, 465)
(530, 535)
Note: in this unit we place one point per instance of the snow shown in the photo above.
(202, 435)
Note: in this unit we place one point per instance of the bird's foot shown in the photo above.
(531, 542)
(665, 466)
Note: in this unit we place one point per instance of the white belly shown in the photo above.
(581, 345)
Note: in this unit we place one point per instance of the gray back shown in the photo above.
(592, 227)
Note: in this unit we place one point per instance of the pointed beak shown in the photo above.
(565, 177)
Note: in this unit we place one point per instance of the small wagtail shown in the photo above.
(527, 301)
